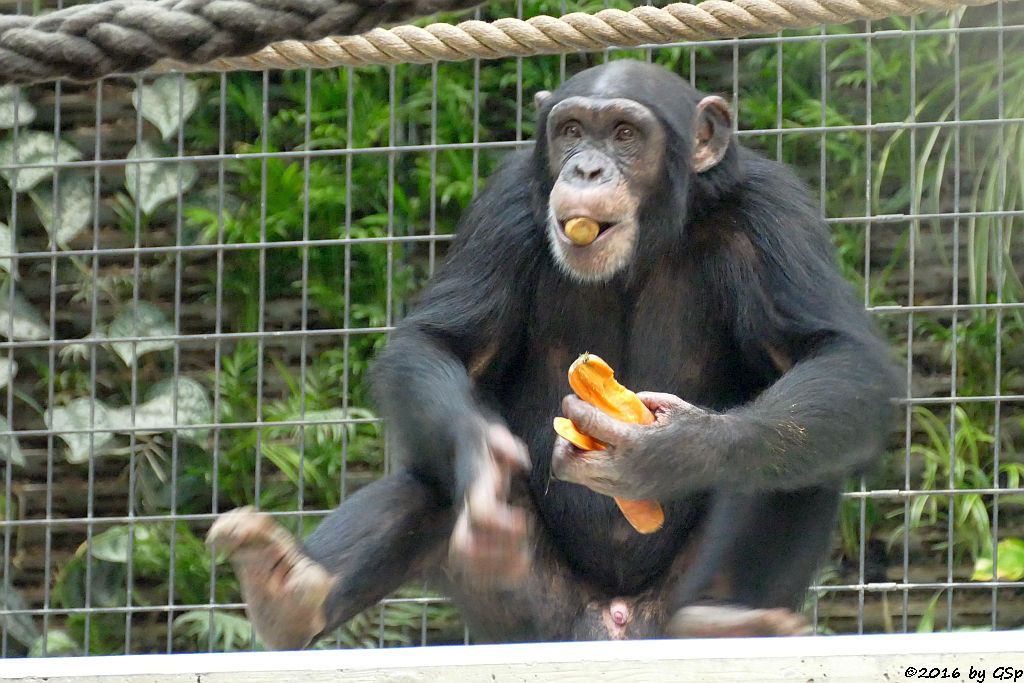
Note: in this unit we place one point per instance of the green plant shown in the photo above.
(214, 630)
(1011, 562)
(994, 156)
(402, 622)
(326, 434)
(962, 460)
(850, 535)
(971, 339)
(163, 560)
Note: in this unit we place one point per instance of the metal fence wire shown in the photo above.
(197, 271)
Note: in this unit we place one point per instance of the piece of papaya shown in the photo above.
(594, 381)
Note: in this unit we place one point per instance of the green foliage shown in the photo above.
(312, 453)
(402, 623)
(971, 340)
(927, 621)
(162, 560)
(1011, 562)
(850, 523)
(993, 154)
(958, 460)
(214, 630)
(19, 628)
(54, 643)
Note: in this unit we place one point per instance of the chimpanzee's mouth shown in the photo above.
(602, 228)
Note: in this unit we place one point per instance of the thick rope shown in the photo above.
(577, 31)
(86, 42)
(89, 41)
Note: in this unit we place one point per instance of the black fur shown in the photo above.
(733, 282)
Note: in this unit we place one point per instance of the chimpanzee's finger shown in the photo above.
(489, 542)
(666, 404)
(594, 469)
(506, 448)
(593, 422)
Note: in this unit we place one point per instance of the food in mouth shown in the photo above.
(581, 230)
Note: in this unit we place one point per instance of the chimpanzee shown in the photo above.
(711, 281)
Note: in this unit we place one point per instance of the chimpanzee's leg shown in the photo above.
(385, 534)
(753, 565)
(359, 553)
(399, 528)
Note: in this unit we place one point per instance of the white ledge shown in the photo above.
(998, 656)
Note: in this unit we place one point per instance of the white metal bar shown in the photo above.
(990, 656)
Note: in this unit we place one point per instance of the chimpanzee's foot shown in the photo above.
(490, 541)
(725, 621)
(283, 589)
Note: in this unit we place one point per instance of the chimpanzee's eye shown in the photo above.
(572, 129)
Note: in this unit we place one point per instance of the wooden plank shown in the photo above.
(990, 656)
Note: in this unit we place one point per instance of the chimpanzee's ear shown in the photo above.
(540, 98)
(712, 133)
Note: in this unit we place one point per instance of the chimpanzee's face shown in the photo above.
(606, 156)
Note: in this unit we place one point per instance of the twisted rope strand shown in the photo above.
(577, 31)
(86, 42)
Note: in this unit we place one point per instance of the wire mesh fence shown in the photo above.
(197, 271)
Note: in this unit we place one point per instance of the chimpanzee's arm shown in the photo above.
(422, 378)
(824, 419)
(826, 416)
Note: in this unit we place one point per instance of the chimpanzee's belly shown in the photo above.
(600, 546)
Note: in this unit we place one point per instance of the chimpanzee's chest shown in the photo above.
(668, 337)
(671, 336)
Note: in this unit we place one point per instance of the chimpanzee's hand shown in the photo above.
(489, 541)
(635, 463)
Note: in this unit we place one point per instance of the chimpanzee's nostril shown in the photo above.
(588, 173)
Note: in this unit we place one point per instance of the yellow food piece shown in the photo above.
(582, 231)
(646, 516)
(567, 430)
(594, 381)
